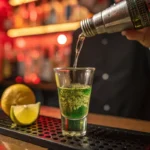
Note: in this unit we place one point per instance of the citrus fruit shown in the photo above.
(17, 94)
(25, 114)
(12, 116)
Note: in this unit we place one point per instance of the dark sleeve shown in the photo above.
(147, 102)
(145, 113)
(147, 57)
(73, 45)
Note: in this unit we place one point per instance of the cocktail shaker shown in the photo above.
(126, 14)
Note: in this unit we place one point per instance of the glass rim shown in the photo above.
(72, 68)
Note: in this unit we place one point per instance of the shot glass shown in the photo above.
(74, 92)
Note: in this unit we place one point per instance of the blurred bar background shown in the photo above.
(35, 37)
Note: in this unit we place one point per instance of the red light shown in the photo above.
(19, 79)
(20, 57)
(36, 81)
(34, 78)
(26, 79)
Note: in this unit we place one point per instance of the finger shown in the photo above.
(117, 1)
(133, 35)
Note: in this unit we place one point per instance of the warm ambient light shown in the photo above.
(19, 2)
(62, 39)
(20, 42)
(43, 29)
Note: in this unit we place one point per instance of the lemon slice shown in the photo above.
(25, 114)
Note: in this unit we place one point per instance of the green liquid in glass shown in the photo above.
(74, 100)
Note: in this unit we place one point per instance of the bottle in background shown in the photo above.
(59, 7)
(75, 14)
(56, 59)
(66, 56)
(68, 10)
(18, 21)
(46, 74)
(51, 17)
(24, 14)
(40, 16)
(32, 14)
(7, 68)
(21, 62)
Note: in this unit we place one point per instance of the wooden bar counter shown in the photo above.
(7, 143)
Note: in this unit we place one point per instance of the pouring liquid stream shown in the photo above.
(79, 46)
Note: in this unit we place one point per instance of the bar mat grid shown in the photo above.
(46, 132)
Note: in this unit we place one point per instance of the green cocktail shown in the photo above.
(74, 104)
(74, 91)
(74, 100)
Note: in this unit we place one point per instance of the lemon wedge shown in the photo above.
(25, 114)
(12, 116)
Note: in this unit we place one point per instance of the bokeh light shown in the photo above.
(62, 39)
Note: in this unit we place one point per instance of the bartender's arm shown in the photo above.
(142, 36)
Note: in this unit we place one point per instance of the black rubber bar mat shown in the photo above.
(46, 132)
